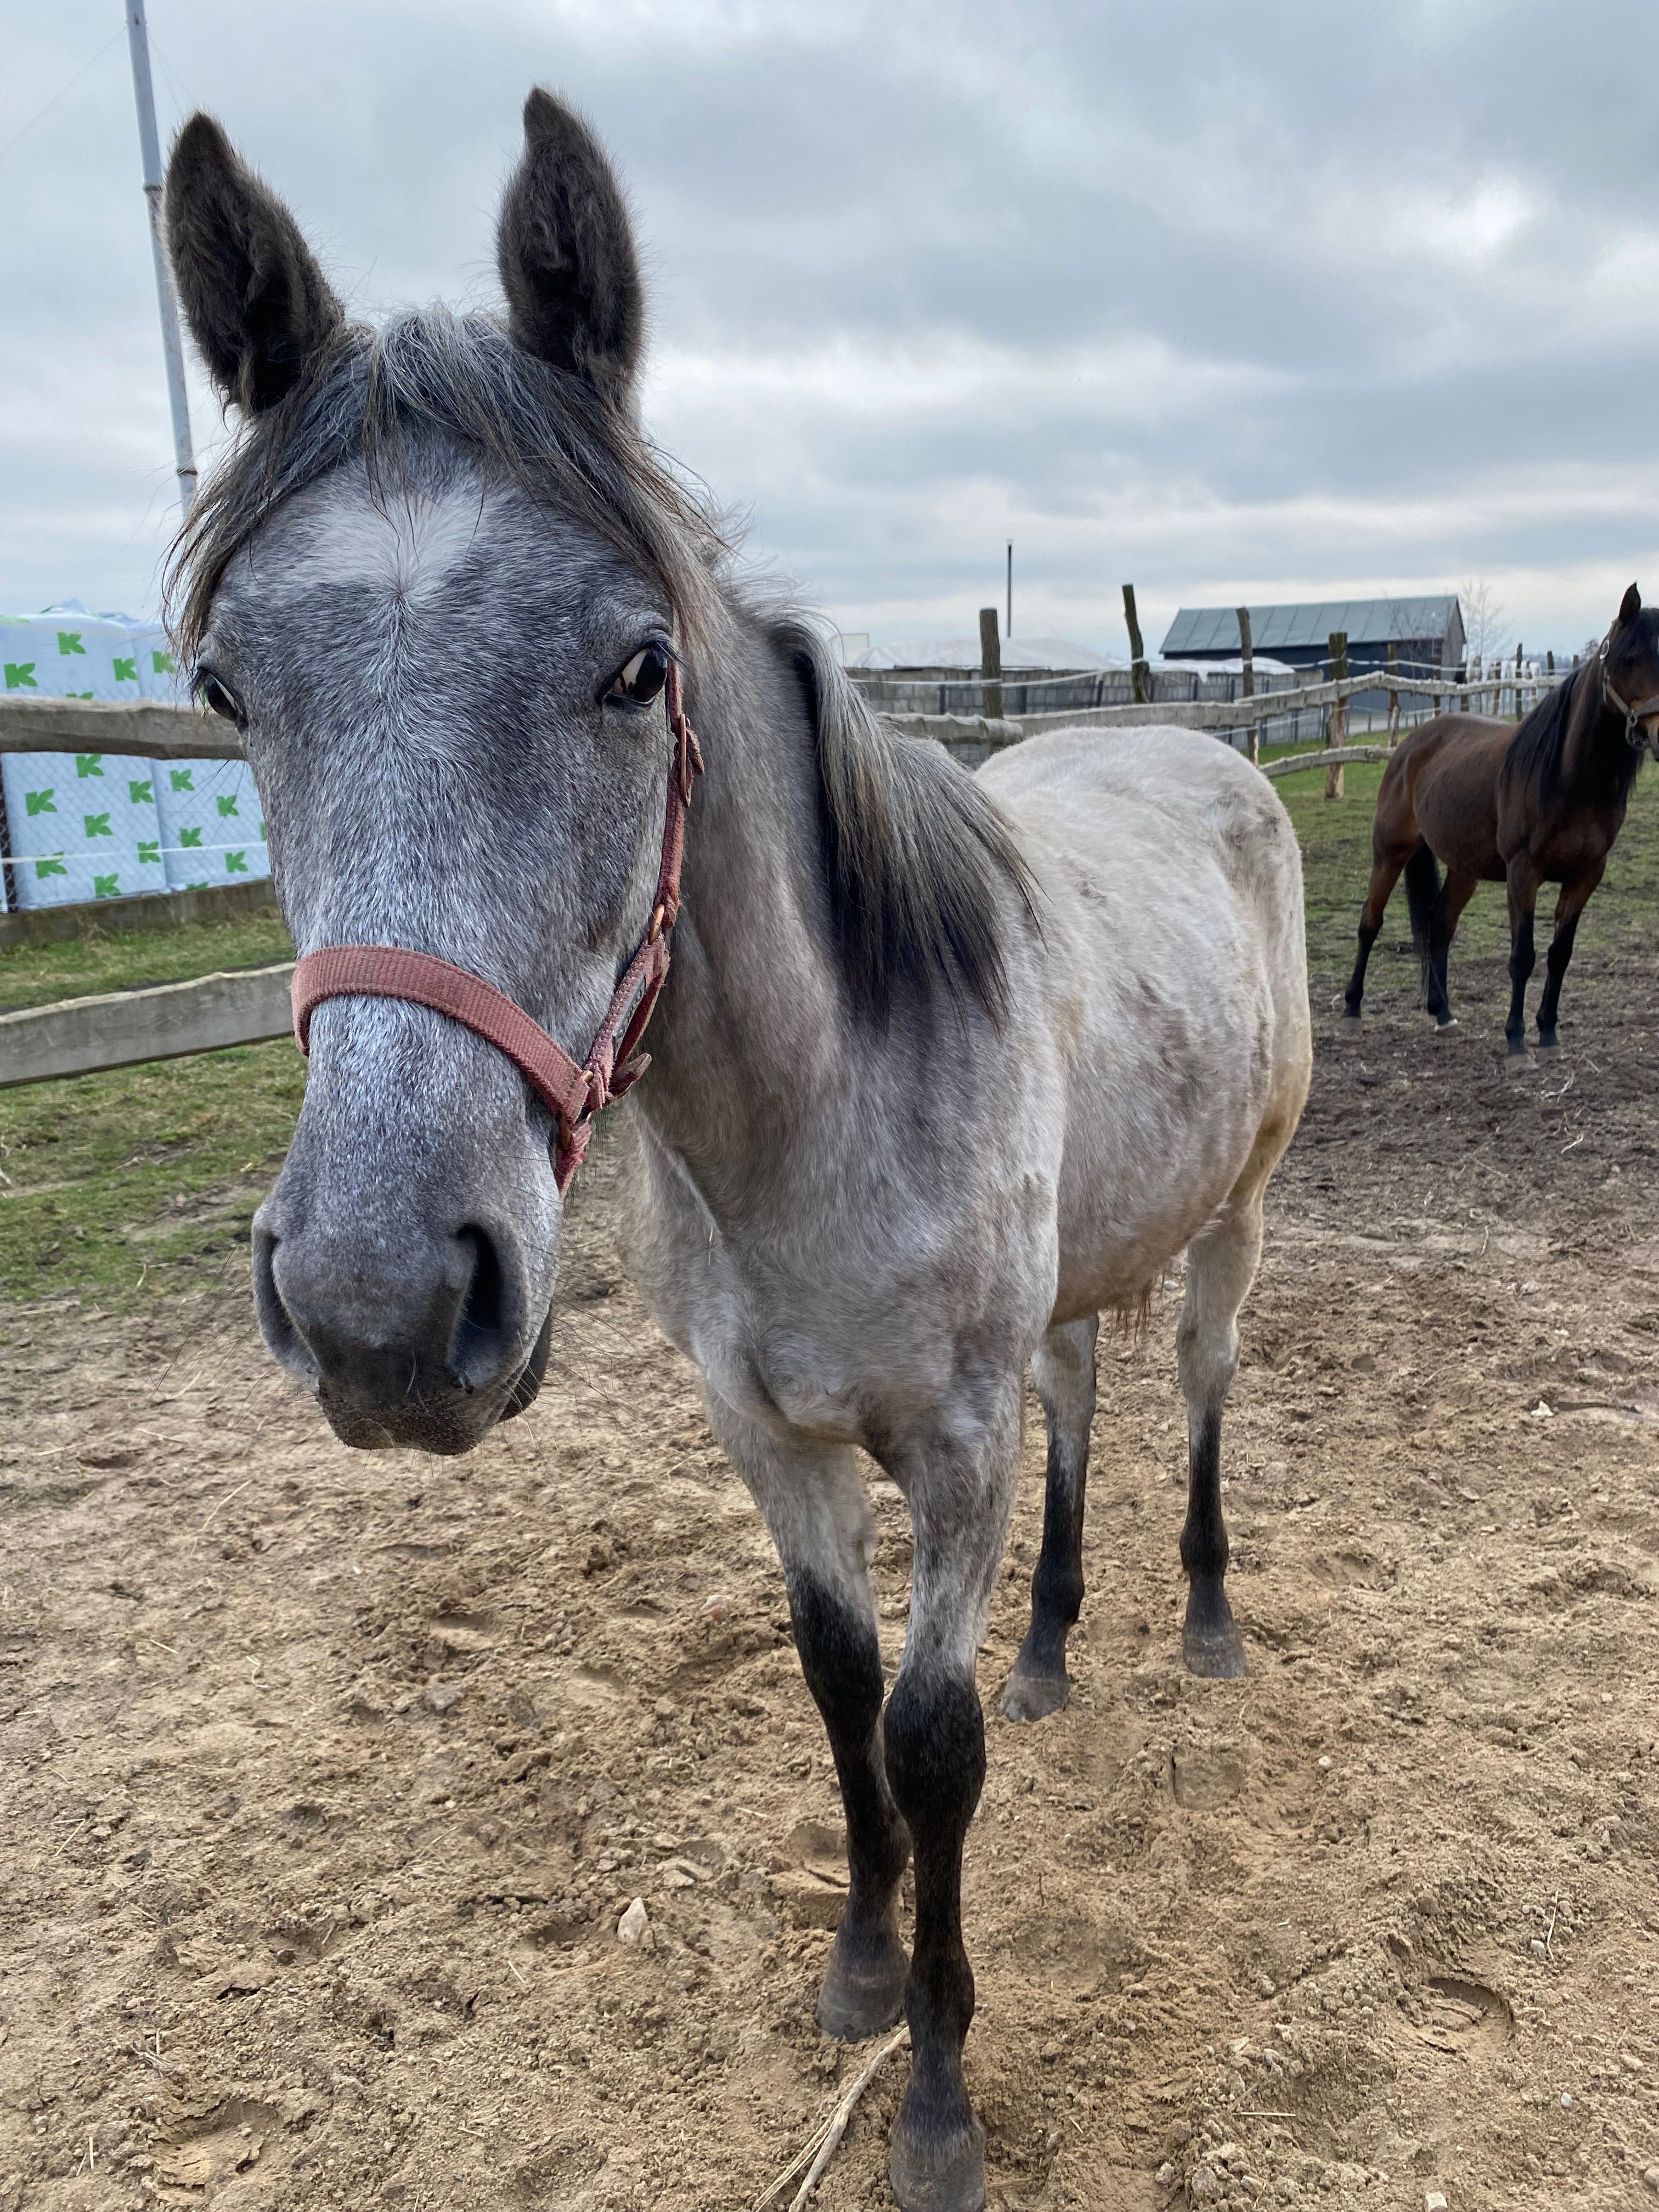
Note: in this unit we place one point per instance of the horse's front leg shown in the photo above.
(815, 1507)
(1523, 882)
(1575, 898)
(959, 1474)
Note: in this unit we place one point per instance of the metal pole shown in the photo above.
(172, 345)
(1008, 624)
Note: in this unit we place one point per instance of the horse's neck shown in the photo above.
(751, 1019)
(1595, 738)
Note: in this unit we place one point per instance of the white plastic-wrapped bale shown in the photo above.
(83, 826)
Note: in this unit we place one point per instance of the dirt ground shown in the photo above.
(327, 1777)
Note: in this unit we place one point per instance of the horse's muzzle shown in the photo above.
(426, 1346)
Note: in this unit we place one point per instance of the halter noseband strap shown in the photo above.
(572, 1094)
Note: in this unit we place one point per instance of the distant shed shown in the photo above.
(1427, 634)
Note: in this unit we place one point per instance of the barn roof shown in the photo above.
(1367, 621)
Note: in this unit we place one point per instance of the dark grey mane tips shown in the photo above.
(919, 860)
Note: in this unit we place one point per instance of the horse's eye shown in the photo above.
(219, 698)
(643, 678)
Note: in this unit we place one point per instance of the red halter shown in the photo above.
(573, 1095)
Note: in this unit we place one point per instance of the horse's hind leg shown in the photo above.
(815, 1507)
(1221, 1266)
(1455, 895)
(1385, 874)
(1063, 1369)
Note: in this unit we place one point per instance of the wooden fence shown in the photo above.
(249, 1007)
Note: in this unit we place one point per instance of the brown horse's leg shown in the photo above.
(1575, 898)
(1455, 895)
(1385, 874)
(1523, 881)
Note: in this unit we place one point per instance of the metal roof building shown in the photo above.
(1427, 634)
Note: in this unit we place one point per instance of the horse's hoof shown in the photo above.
(1519, 1061)
(1214, 1654)
(861, 1996)
(1351, 1022)
(1548, 1040)
(1441, 1027)
(930, 2175)
(1031, 1697)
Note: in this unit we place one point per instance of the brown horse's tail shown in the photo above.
(1423, 898)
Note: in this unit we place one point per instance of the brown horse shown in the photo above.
(1538, 803)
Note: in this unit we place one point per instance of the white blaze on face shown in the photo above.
(409, 547)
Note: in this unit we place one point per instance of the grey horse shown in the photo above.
(946, 1065)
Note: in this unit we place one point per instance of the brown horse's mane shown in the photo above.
(1538, 752)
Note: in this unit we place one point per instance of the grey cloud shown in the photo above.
(1363, 243)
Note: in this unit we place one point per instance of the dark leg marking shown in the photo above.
(1064, 1372)
(1210, 1640)
(864, 1981)
(935, 1736)
(1574, 897)
(1355, 994)
(1522, 960)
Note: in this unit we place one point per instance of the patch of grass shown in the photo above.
(101, 960)
(126, 1186)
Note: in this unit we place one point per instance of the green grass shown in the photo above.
(124, 1187)
(116, 1187)
(36, 975)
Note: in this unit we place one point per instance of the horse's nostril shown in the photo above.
(276, 1322)
(483, 1326)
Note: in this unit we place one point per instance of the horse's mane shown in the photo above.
(430, 371)
(918, 859)
(1537, 751)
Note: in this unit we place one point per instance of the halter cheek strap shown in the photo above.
(573, 1094)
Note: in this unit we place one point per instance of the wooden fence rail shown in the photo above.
(120, 1029)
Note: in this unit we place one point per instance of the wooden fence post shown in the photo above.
(1337, 729)
(990, 664)
(1394, 696)
(1247, 684)
(1137, 669)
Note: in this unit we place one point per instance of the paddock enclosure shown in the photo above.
(328, 1776)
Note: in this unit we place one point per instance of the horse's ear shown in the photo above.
(565, 248)
(258, 305)
(1631, 605)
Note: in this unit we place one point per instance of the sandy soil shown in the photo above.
(326, 1777)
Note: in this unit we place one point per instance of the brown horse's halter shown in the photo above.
(1633, 737)
(574, 1094)
(1632, 715)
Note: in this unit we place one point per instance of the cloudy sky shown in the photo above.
(1292, 301)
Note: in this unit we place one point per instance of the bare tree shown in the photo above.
(1485, 630)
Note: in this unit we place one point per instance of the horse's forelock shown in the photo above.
(431, 374)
